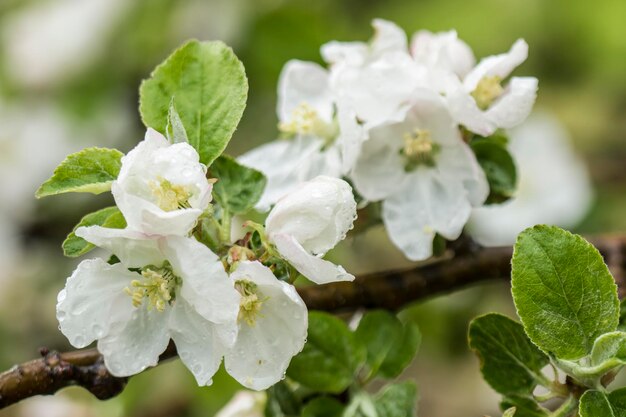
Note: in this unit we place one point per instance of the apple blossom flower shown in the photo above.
(481, 104)
(162, 188)
(308, 222)
(554, 185)
(426, 176)
(164, 287)
(245, 404)
(272, 323)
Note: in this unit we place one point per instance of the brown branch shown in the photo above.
(387, 290)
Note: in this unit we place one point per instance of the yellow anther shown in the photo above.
(169, 196)
(305, 121)
(158, 286)
(250, 304)
(487, 90)
(419, 148)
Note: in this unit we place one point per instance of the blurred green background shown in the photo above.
(69, 74)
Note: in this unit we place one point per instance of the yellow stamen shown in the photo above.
(170, 196)
(487, 90)
(250, 304)
(305, 121)
(157, 286)
(419, 148)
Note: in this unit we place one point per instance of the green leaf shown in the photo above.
(281, 401)
(330, 358)
(207, 85)
(595, 404)
(397, 400)
(378, 331)
(524, 406)
(510, 363)
(111, 217)
(563, 291)
(402, 352)
(509, 412)
(622, 316)
(499, 167)
(91, 170)
(323, 407)
(176, 132)
(238, 187)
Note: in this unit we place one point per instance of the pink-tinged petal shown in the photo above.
(312, 267)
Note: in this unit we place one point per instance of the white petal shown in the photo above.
(351, 137)
(146, 217)
(442, 51)
(304, 82)
(245, 404)
(388, 37)
(459, 163)
(312, 267)
(287, 163)
(497, 65)
(93, 300)
(464, 109)
(152, 161)
(350, 53)
(379, 170)
(426, 205)
(134, 249)
(198, 341)
(205, 283)
(262, 352)
(514, 106)
(318, 214)
(134, 345)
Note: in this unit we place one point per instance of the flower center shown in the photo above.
(487, 90)
(306, 121)
(169, 196)
(158, 285)
(419, 149)
(250, 304)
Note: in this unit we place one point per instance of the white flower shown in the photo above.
(482, 105)
(308, 222)
(375, 80)
(273, 325)
(444, 54)
(169, 287)
(553, 188)
(162, 188)
(427, 177)
(245, 404)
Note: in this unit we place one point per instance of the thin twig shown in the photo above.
(389, 290)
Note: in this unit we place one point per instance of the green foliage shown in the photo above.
(323, 407)
(524, 406)
(397, 400)
(622, 316)
(331, 357)
(563, 291)
(599, 404)
(91, 170)
(378, 331)
(175, 130)
(509, 412)
(281, 401)
(238, 187)
(498, 165)
(402, 352)
(510, 363)
(111, 217)
(207, 86)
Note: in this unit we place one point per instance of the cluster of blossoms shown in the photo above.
(163, 283)
(395, 118)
